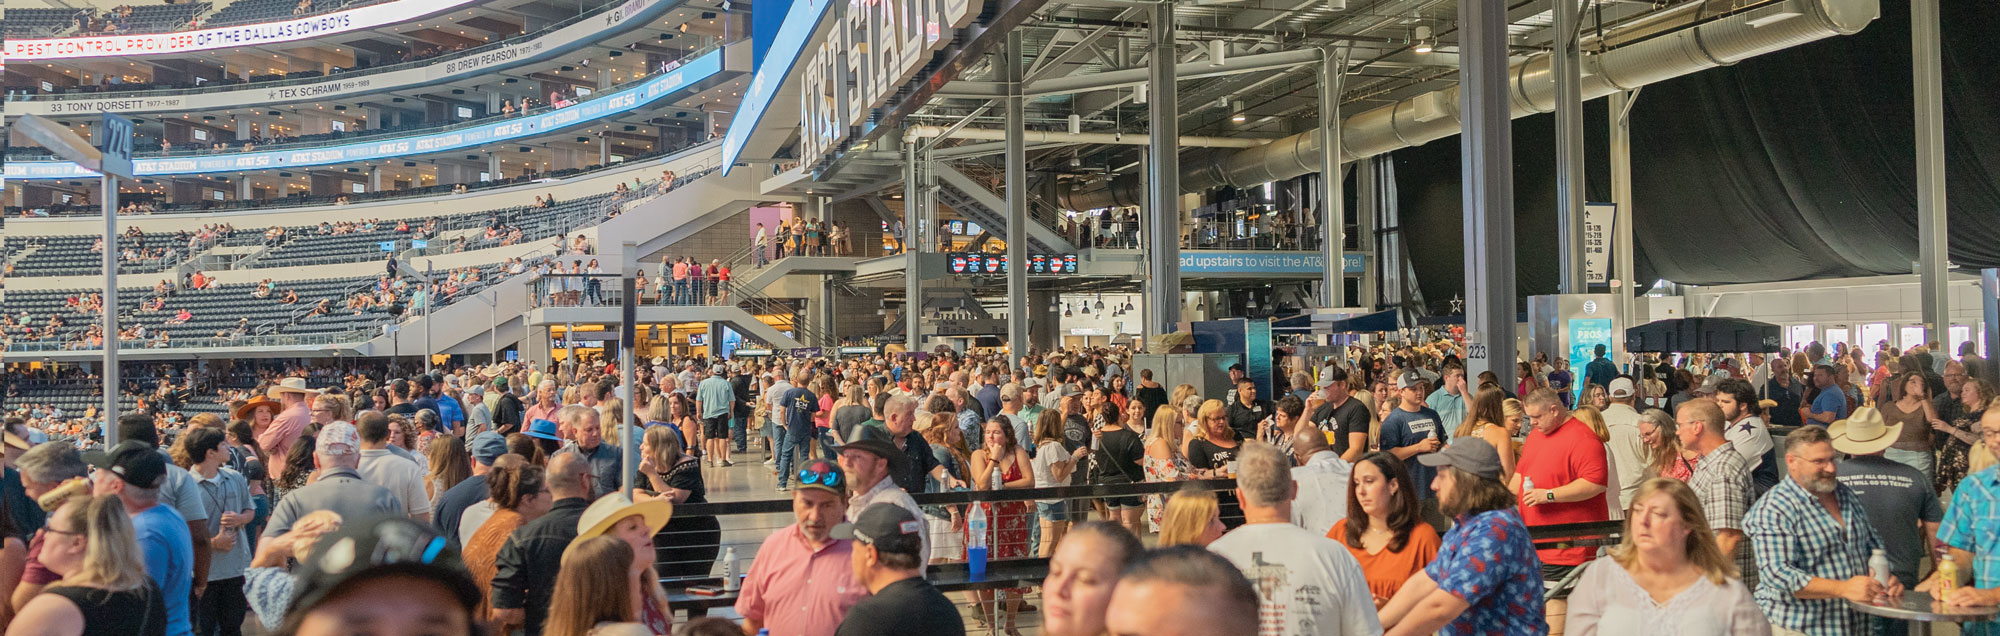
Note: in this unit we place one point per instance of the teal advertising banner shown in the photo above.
(1584, 336)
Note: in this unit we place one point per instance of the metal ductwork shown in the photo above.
(1676, 42)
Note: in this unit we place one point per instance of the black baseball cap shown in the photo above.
(387, 546)
(887, 527)
(134, 461)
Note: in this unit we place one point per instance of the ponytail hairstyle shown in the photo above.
(511, 483)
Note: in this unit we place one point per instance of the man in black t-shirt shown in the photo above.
(1336, 411)
(1246, 410)
(888, 549)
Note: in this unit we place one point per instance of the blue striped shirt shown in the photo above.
(1972, 524)
(1796, 541)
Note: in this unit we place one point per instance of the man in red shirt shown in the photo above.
(1560, 478)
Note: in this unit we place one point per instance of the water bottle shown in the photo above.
(975, 542)
(1878, 566)
(730, 582)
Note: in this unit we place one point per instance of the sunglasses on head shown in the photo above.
(826, 478)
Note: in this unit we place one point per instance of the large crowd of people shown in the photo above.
(1382, 491)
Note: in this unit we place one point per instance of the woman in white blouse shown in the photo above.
(1666, 577)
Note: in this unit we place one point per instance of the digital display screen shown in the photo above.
(977, 264)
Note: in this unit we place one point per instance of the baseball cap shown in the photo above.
(822, 474)
(338, 438)
(1711, 385)
(488, 446)
(1470, 454)
(1621, 388)
(1408, 378)
(390, 546)
(717, 369)
(134, 461)
(887, 527)
(1330, 374)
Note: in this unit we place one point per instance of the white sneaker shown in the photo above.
(771, 462)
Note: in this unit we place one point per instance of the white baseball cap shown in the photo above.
(1621, 388)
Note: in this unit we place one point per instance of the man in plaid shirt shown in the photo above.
(1812, 539)
(1721, 479)
(1972, 530)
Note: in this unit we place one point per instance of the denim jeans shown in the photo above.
(738, 434)
(757, 256)
(784, 443)
(826, 443)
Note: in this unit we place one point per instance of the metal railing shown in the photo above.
(210, 87)
(272, 340)
(1208, 234)
(329, 139)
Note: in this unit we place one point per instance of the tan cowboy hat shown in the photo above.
(608, 510)
(243, 412)
(1863, 432)
(290, 385)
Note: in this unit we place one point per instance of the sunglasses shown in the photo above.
(826, 478)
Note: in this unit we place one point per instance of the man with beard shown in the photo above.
(1813, 539)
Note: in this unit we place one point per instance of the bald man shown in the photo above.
(1322, 478)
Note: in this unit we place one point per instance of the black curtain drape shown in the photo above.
(1795, 165)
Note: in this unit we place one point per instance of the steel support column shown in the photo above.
(1989, 284)
(913, 242)
(108, 201)
(1569, 148)
(1163, 169)
(1017, 201)
(1933, 244)
(1368, 208)
(1488, 171)
(1332, 204)
(1619, 154)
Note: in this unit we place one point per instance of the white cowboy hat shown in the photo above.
(290, 385)
(1863, 432)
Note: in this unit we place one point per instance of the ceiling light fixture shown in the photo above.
(1424, 44)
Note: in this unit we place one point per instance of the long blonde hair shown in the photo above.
(1702, 550)
(1594, 419)
(111, 558)
(1167, 427)
(1186, 516)
(596, 580)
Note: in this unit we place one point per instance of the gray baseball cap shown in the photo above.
(1470, 454)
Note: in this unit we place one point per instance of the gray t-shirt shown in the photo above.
(181, 493)
(227, 492)
(1891, 490)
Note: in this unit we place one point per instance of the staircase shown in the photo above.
(973, 201)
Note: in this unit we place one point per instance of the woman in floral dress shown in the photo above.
(1164, 461)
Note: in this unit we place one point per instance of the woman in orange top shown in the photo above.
(1382, 528)
(521, 493)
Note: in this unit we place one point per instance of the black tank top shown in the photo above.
(136, 612)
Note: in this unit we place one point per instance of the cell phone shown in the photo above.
(705, 590)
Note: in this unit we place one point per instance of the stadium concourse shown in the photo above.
(1069, 318)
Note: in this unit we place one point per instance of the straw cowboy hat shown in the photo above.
(1863, 432)
(290, 385)
(608, 510)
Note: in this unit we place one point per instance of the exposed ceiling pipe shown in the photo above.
(914, 133)
(1703, 42)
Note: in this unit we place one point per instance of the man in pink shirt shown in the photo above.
(803, 579)
(291, 421)
(546, 402)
